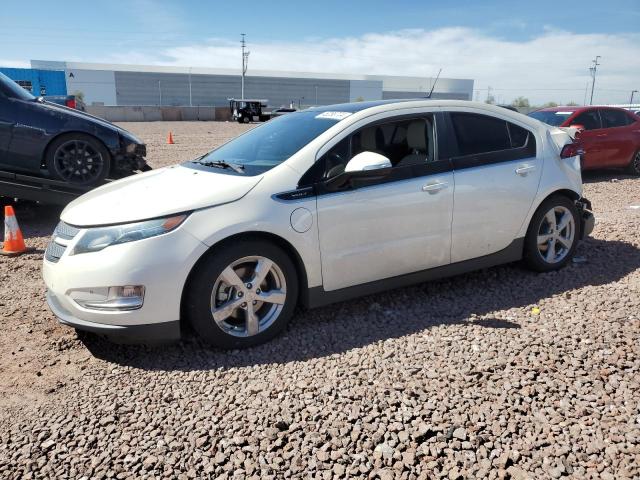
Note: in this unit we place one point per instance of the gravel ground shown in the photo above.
(461, 378)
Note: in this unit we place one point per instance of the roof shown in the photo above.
(576, 108)
(262, 100)
(354, 107)
(572, 108)
(363, 109)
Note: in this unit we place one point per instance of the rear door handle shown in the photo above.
(434, 187)
(525, 169)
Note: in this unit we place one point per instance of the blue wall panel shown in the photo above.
(43, 82)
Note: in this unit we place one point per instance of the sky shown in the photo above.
(540, 49)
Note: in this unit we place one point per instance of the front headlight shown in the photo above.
(96, 239)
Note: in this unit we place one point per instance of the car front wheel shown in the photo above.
(553, 234)
(242, 295)
(78, 159)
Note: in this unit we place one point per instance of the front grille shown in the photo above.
(141, 150)
(54, 251)
(58, 244)
(66, 231)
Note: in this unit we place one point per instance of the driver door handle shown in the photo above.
(523, 170)
(434, 187)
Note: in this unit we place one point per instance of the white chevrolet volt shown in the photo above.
(315, 207)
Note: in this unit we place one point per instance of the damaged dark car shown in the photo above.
(47, 148)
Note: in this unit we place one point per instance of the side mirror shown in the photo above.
(367, 161)
(363, 169)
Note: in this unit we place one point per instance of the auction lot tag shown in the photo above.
(334, 115)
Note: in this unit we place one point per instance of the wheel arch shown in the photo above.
(565, 192)
(303, 296)
(45, 150)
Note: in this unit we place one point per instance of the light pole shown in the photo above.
(593, 70)
(245, 63)
(631, 99)
(190, 102)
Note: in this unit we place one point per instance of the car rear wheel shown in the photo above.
(553, 234)
(634, 166)
(78, 159)
(242, 295)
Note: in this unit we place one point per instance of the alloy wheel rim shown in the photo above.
(77, 161)
(556, 234)
(248, 296)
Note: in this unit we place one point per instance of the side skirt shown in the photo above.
(318, 297)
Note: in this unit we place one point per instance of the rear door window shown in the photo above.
(480, 133)
(614, 118)
(590, 120)
(483, 140)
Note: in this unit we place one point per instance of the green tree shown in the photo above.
(521, 102)
(79, 95)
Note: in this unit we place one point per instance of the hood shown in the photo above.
(79, 114)
(155, 194)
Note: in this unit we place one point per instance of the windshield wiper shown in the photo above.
(222, 164)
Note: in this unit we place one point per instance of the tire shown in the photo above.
(245, 119)
(563, 241)
(210, 290)
(78, 159)
(634, 165)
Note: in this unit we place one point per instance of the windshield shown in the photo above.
(274, 142)
(12, 90)
(551, 118)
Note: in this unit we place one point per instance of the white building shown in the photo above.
(112, 84)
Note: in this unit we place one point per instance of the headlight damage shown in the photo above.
(96, 239)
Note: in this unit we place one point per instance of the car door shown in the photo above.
(7, 122)
(496, 168)
(618, 145)
(375, 229)
(591, 138)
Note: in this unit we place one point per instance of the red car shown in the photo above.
(609, 136)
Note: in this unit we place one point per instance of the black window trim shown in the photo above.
(461, 162)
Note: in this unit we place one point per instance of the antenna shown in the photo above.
(434, 84)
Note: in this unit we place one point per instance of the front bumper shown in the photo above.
(161, 264)
(149, 333)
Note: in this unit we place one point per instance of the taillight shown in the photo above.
(71, 102)
(571, 150)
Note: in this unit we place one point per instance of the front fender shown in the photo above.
(213, 225)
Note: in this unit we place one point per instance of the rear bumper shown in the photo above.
(587, 220)
(155, 333)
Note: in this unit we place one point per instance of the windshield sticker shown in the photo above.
(334, 115)
(564, 113)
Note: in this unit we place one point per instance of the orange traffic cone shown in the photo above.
(170, 139)
(13, 240)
